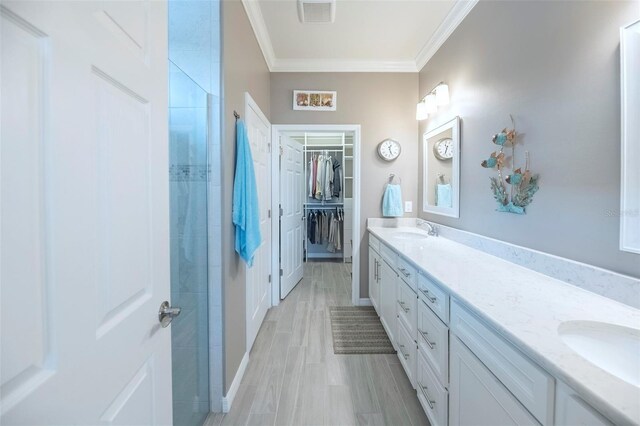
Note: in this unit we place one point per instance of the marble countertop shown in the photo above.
(527, 308)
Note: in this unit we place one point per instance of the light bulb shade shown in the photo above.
(421, 111)
(442, 95)
(430, 102)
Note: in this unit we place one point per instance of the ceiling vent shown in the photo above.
(317, 11)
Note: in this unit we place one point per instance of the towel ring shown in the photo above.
(393, 176)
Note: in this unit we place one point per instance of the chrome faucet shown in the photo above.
(431, 228)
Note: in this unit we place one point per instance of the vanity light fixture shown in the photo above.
(421, 111)
(431, 102)
(438, 96)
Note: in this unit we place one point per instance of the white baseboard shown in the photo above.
(228, 399)
(364, 301)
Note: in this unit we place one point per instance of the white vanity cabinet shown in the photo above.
(464, 370)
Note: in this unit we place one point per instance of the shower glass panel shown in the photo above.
(188, 175)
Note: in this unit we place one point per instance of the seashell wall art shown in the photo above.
(513, 191)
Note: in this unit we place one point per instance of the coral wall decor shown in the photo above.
(513, 191)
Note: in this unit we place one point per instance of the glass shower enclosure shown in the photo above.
(189, 177)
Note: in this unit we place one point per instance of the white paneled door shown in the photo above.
(85, 218)
(257, 278)
(292, 186)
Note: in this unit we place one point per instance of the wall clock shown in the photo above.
(389, 149)
(443, 149)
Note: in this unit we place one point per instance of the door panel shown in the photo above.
(84, 228)
(291, 222)
(258, 286)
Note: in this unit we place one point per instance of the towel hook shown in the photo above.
(236, 115)
(393, 176)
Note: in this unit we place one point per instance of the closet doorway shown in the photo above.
(316, 192)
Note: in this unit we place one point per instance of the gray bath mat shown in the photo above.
(358, 330)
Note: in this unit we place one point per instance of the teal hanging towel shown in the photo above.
(246, 214)
(392, 201)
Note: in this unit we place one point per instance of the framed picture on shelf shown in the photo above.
(314, 100)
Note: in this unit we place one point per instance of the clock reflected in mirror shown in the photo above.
(389, 149)
(443, 149)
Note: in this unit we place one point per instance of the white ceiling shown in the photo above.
(367, 35)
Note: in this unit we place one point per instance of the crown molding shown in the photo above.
(455, 16)
(341, 65)
(254, 13)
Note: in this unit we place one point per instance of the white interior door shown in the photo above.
(292, 186)
(85, 213)
(258, 284)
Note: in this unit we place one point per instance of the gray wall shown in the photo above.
(244, 70)
(384, 105)
(555, 67)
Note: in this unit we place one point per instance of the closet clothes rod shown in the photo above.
(322, 207)
(323, 150)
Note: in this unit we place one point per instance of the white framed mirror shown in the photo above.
(441, 169)
(630, 132)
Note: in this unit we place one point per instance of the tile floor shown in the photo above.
(294, 378)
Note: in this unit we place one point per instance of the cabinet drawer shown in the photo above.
(408, 273)
(374, 242)
(406, 352)
(434, 296)
(389, 256)
(433, 342)
(533, 387)
(407, 307)
(432, 396)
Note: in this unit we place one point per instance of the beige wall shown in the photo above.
(384, 105)
(244, 70)
(555, 67)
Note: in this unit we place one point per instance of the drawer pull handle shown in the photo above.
(406, 356)
(430, 401)
(426, 339)
(431, 298)
(404, 272)
(404, 308)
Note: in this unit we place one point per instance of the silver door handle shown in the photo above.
(404, 272)
(375, 270)
(430, 401)
(166, 314)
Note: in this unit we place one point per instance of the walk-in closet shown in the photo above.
(328, 205)
(317, 176)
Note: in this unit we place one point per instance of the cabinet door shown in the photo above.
(374, 284)
(572, 410)
(476, 397)
(388, 278)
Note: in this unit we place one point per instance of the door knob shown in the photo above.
(166, 313)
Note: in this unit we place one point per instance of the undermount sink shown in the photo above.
(410, 235)
(613, 348)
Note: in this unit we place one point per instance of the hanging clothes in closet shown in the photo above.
(325, 177)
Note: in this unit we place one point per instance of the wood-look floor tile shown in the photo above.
(290, 386)
(389, 398)
(339, 406)
(266, 399)
(294, 378)
(311, 396)
(408, 396)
